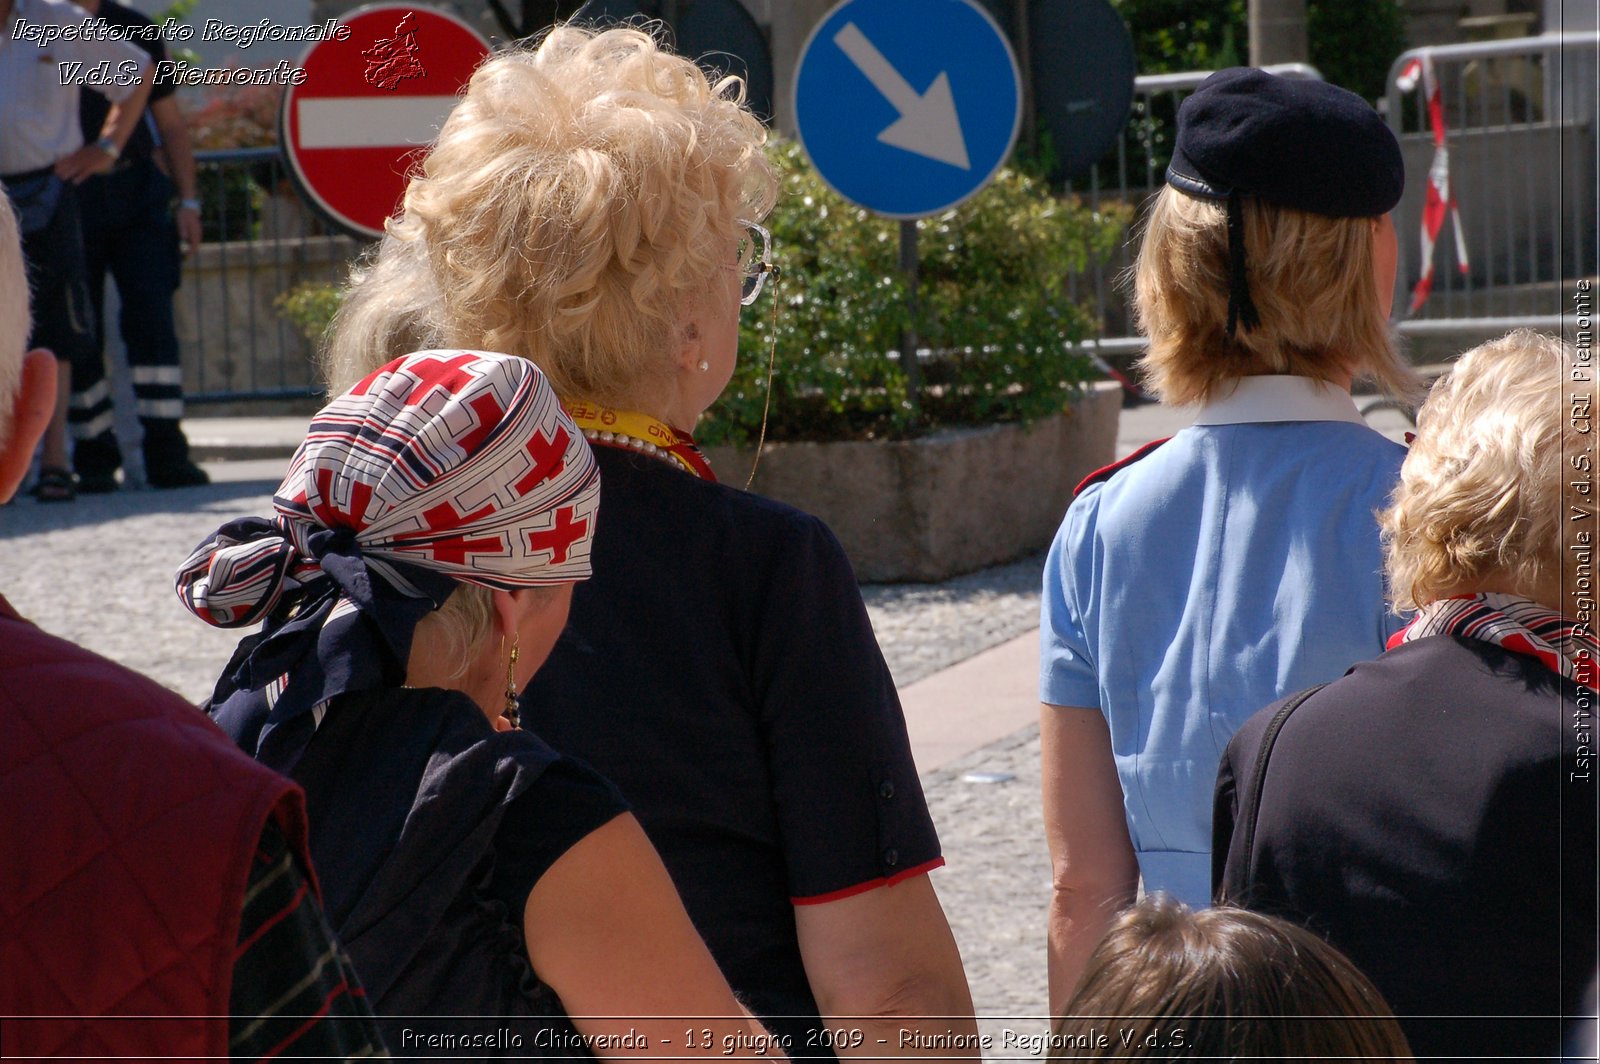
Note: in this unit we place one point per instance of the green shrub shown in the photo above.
(309, 306)
(1351, 42)
(991, 305)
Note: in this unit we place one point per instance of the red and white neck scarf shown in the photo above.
(1513, 623)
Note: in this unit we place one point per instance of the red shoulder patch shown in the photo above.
(1106, 472)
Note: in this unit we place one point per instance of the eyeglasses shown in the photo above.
(755, 259)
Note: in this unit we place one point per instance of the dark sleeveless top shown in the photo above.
(428, 830)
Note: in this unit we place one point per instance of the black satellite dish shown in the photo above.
(720, 34)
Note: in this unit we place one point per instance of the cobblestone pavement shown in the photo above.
(99, 572)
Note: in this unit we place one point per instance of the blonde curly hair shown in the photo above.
(1480, 501)
(581, 196)
(1311, 279)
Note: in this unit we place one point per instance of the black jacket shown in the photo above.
(1432, 814)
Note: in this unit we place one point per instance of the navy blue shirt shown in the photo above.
(428, 831)
(92, 106)
(721, 669)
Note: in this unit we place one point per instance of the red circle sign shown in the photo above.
(370, 102)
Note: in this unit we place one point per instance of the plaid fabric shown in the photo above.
(441, 467)
(1519, 625)
(294, 992)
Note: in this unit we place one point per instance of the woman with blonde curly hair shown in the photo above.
(593, 205)
(1239, 560)
(1432, 813)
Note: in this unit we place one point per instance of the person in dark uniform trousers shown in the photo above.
(1432, 813)
(1238, 561)
(131, 229)
(44, 157)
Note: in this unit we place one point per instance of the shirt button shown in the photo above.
(886, 789)
(891, 857)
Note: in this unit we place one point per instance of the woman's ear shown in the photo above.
(509, 607)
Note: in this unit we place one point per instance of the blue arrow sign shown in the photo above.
(907, 107)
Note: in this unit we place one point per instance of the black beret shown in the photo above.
(1302, 144)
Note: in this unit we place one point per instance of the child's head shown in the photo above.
(1171, 983)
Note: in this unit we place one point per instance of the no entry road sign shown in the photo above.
(370, 101)
(907, 107)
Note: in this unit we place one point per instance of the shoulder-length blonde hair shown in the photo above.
(580, 196)
(1311, 279)
(1480, 502)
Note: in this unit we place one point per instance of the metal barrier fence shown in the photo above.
(1522, 122)
(260, 241)
(1520, 119)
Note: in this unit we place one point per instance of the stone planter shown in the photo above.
(935, 507)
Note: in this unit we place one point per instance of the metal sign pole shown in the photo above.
(908, 338)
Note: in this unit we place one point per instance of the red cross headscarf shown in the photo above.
(441, 467)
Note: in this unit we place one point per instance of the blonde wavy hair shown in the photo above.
(580, 197)
(1311, 278)
(1480, 501)
(14, 313)
(455, 631)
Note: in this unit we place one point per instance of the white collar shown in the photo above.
(1279, 398)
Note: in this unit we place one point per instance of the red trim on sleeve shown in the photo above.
(871, 884)
(1105, 472)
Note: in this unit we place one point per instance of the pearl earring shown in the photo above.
(703, 365)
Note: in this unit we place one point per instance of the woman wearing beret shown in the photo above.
(591, 205)
(1239, 560)
(1432, 813)
(419, 567)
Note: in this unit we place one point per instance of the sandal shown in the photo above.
(55, 485)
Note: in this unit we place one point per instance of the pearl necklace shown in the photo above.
(622, 439)
(640, 433)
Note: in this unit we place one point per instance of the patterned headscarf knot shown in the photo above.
(443, 467)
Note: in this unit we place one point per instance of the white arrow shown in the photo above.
(928, 123)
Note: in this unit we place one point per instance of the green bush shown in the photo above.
(1351, 42)
(309, 306)
(991, 305)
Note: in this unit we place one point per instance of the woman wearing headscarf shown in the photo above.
(1432, 813)
(1239, 560)
(591, 205)
(416, 572)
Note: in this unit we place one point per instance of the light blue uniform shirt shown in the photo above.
(1234, 564)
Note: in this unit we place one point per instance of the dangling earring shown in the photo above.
(512, 714)
(702, 365)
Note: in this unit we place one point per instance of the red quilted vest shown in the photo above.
(127, 827)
